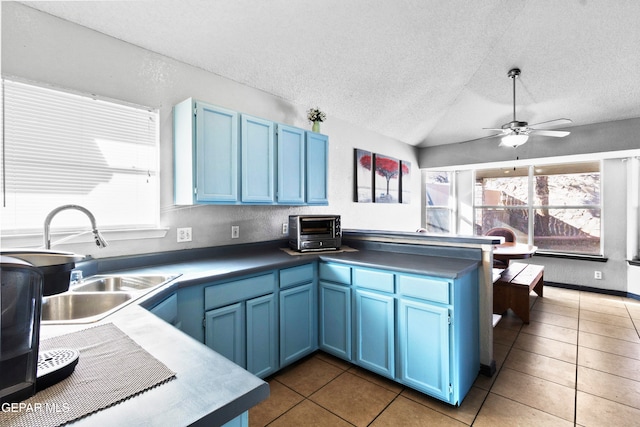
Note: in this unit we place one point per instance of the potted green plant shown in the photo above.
(316, 117)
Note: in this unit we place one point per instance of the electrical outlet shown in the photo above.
(597, 275)
(285, 228)
(184, 234)
(235, 231)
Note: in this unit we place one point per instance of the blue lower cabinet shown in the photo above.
(374, 332)
(246, 333)
(298, 323)
(167, 310)
(335, 319)
(262, 336)
(418, 330)
(225, 332)
(423, 339)
(241, 420)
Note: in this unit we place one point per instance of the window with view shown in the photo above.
(555, 207)
(61, 148)
(439, 214)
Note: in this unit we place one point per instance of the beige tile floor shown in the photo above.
(576, 363)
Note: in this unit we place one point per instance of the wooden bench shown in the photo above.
(512, 289)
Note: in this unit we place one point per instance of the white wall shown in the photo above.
(45, 49)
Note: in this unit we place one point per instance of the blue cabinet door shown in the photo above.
(298, 323)
(317, 148)
(262, 336)
(225, 332)
(335, 320)
(216, 154)
(291, 165)
(375, 335)
(258, 160)
(424, 347)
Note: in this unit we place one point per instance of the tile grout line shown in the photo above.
(285, 412)
(505, 359)
(575, 393)
(497, 373)
(605, 372)
(306, 398)
(387, 406)
(632, 320)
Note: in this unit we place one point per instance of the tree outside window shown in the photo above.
(555, 207)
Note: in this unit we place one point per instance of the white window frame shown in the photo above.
(31, 235)
(452, 202)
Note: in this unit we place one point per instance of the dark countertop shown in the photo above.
(254, 260)
(262, 258)
(448, 268)
(210, 389)
(420, 238)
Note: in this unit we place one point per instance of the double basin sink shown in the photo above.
(98, 296)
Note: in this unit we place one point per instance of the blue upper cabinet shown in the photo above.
(205, 153)
(317, 164)
(291, 165)
(258, 148)
(224, 157)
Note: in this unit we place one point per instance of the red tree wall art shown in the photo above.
(383, 173)
(387, 186)
(364, 191)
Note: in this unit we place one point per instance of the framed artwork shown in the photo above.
(405, 180)
(386, 179)
(363, 176)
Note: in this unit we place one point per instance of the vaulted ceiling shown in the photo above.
(426, 72)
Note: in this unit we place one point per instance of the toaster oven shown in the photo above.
(314, 232)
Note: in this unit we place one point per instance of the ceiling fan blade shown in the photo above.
(553, 133)
(553, 123)
(491, 136)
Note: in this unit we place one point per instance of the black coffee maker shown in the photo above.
(24, 279)
(20, 303)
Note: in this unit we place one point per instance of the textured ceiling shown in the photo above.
(426, 72)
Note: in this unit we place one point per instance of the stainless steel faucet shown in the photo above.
(47, 225)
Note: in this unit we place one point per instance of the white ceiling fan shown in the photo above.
(516, 133)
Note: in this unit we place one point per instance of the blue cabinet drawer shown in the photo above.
(427, 288)
(335, 273)
(296, 275)
(374, 279)
(238, 290)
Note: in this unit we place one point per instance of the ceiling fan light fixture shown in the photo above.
(514, 140)
(516, 132)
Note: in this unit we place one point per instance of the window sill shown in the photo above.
(595, 258)
(70, 238)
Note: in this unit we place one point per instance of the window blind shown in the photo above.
(63, 148)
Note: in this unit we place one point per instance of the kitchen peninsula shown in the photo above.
(395, 266)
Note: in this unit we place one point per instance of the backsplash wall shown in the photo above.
(44, 49)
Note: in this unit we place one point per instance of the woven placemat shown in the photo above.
(111, 368)
(336, 251)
